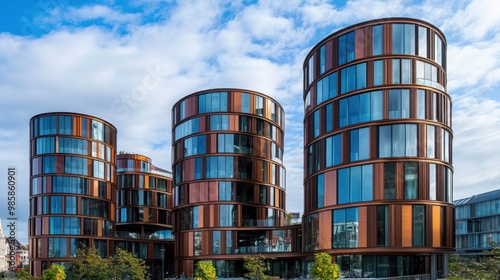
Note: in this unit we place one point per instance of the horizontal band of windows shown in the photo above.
(48, 125)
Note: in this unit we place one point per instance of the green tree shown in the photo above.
(87, 264)
(125, 266)
(205, 270)
(257, 267)
(54, 272)
(485, 267)
(24, 274)
(323, 268)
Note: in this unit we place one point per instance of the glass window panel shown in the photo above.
(432, 182)
(394, 104)
(364, 107)
(382, 225)
(396, 74)
(409, 34)
(322, 58)
(351, 78)
(411, 180)
(343, 112)
(310, 76)
(377, 39)
(389, 180)
(418, 225)
(406, 71)
(343, 186)
(355, 184)
(411, 140)
(353, 109)
(431, 133)
(421, 104)
(378, 72)
(329, 118)
(360, 75)
(320, 190)
(397, 38)
(316, 121)
(354, 145)
(367, 182)
(376, 105)
(398, 140)
(364, 143)
(422, 41)
(385, 141)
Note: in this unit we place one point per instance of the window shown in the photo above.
(445, 148)
(448, 185)
(399, 103)
(353, 78)
(438, 49)
(421, 104)
(401, 71)
(432, 182)
(418, 225)
(229, 242)
(360, 144)
(195, 145)
(398, 140)
(56, 205)
(46, 125)
(427, 74)
(226, 191)
(219, 122)
(244, 123)
(431, 134)
(66, 184)
(71, 205)
(411, 180)
(45, 145)
(378, 72)
(377, 39)
(316, 122)
(355, 184)
(320, 190)
(333, 148)
(76, 165)
(259, 105)
(403, 38)
(326, 88)
(227, 215)
(49, 164)
(389, 180)
(58, 247)
(322, 58)
(65, 125)
(360, 108)
(219, 167)
(216, 242)
(328, 118)
(311, 232)
(245, 103)
(346, 47)
(73, 146)
(182, 110)
(310, 72)
(422, 41)
(382, 225)
(99, 169)
(212, 102)
(345, 228)
(97, 130)
(188, 127)
(85, 127)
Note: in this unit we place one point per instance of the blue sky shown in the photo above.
(92, 56)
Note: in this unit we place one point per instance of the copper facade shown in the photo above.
(378, 160)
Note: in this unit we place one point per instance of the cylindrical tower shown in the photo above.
(73, 188)
(377, 172)
(229, 180)
(143, 207)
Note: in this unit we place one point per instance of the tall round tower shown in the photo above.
(378, 159)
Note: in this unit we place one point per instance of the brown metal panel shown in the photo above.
(392, 225)
(362, 227)
(325, 230)
(406, 226)
(201, 215)
(328, 55)
(397, 225)
(378, 181)
(436, 226)
(330, 188)
(359, 43)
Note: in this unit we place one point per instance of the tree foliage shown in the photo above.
(54, 272)
(323, 268)
(484, 267)
(24, 274)
(87, 264)
(205, 270)
(257, 267)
